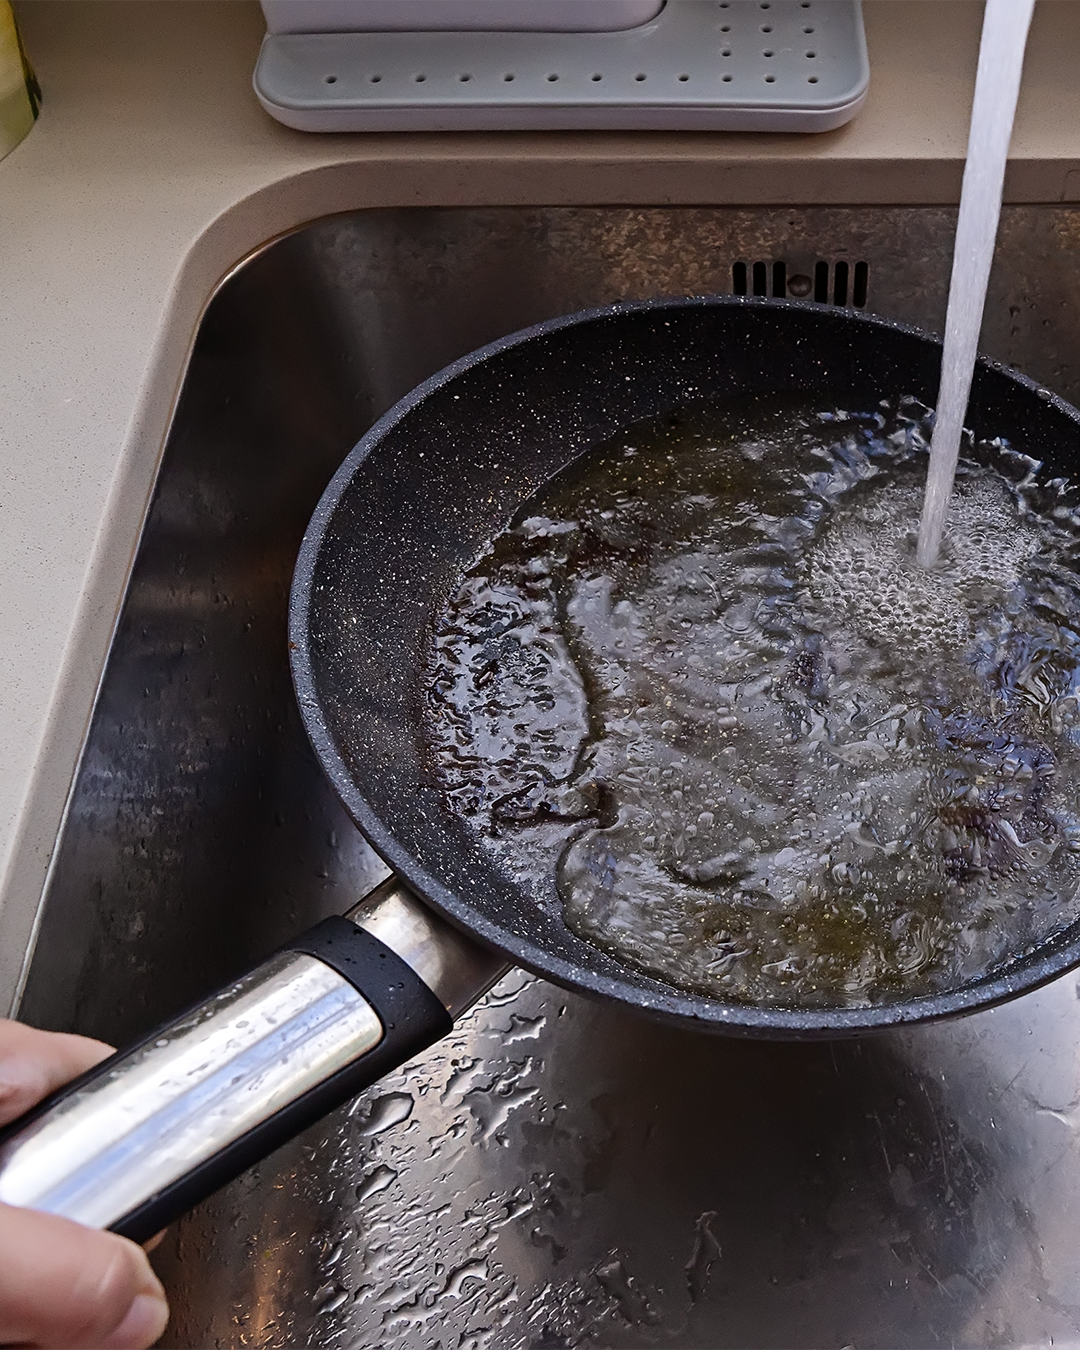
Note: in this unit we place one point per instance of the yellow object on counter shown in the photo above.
(19, 92)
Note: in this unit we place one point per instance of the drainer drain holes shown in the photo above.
(554, 77)
(838, 283)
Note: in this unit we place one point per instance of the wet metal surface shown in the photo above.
(558, 1173)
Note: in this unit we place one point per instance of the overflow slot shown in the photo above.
(838, 283)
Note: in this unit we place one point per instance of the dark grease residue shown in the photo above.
(701, 679)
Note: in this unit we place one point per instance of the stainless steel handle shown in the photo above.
(175, 1102)
(155, 1128)
(456, 969)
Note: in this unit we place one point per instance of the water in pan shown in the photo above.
(701, 682)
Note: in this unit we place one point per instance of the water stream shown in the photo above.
(997, 85)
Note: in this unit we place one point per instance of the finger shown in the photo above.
(33, 1063)
(63, 1285)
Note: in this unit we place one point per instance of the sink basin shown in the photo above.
(557, 1173)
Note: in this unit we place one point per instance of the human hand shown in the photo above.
(62, 1284)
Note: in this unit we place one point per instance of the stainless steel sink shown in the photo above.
(557, 1173)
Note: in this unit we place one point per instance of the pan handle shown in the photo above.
(156, 1128)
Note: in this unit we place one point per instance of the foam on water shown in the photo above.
(865, 565)
(701, 695)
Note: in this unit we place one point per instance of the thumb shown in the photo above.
(63, 1285)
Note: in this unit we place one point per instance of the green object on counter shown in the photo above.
(19, 92)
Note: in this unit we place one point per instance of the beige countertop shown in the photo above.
(153, 171)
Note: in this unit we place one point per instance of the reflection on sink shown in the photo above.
(557, 1173)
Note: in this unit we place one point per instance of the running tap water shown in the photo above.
(997, 84)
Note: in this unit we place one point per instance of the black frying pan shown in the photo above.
(411, 506)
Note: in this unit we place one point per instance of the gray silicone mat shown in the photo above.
(718, 65)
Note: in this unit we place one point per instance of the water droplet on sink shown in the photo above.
(334, 1256)
(464, 1070)
(704, 1256)
(376, 1181)
(631, 1302)
(460, 1275)
(385, 1113)
(506, 992)
(524, 1028)
(329, 1298)
(493, 1104)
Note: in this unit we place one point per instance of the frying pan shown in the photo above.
(160, 1125)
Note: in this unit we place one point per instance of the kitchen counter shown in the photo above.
(152, 172)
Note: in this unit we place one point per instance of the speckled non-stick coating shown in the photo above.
(445, 470)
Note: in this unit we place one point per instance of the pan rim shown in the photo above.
(1044, 964)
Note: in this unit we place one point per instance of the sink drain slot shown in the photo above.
(836, 283)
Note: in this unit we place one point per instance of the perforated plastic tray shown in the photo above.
(716, 65)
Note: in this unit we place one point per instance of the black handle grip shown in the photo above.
(66, 1154)
(412, 1019)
